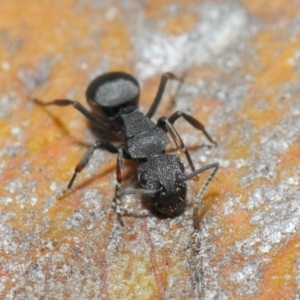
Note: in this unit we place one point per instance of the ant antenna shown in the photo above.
(197, 204)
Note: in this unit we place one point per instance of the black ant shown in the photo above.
(115, 96)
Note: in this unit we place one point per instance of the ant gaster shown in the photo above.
(115, 96)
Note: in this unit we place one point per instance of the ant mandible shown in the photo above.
(115, 96)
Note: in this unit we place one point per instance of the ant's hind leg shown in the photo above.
(65, 102)
(87, 156)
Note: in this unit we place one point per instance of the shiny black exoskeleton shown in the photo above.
(114, 98)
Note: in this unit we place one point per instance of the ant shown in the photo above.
(115, 96)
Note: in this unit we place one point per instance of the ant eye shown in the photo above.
(162, 190)
(177, 186)
(181, 166)
(143, 178)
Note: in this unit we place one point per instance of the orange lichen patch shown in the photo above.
(274, 55)
(159, 274)
(55, 39)
(213, 201)
(289, 164)
(58, 213)
(181, 23)
(4, 129)
(291, 157)
(53, 126)
(194, 74)
(273, 8)
(146, 275)
(203, 108)
(39, 41)
(138, 282)
(279, 281)
(276, 70)
(12, 169)
(235, 227)
(115, 41)
(239, 149)
(155, 9)
(268, 116)
(229, 182)
(175, 226)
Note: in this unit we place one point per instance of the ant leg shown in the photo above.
(195, 123)
(87, 156)
(65, 102)
(164, 123)
(121, 211)
(163, 81)
(197, 204)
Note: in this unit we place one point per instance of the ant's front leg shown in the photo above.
(120, 210)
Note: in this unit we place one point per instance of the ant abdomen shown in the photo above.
(111, 92)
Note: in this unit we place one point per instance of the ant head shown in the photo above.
(172, 203)
(165, 175)
(112, 93)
